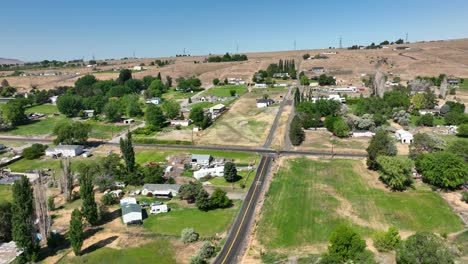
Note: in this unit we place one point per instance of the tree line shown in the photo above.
(228, 57)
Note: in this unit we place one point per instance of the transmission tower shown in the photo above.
(237, 48)
(406, 38)
(341, 43)
(294, 44)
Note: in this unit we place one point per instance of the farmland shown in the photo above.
(308, 198)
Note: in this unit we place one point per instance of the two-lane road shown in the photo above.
(240, 229)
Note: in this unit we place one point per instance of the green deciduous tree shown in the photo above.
(124, 76)
(189, 191)
(112, 111)
(347, 245)
(76, 232)
(154, 117)
(443, 169)
(22, 220)
(89, 206)
(71, 133)
(13, 113)
(171, 109)
(380, 144)
(462, 130)
(341, 128)
(386, 241)
(426, 120)
(188, 235)
(459, 148)
(215, 81)
(70, 105)
(5, 222)
(219, 199)
(197, 115)
(34, 152)
(395, 172)
(424, 143)
(230, 172)
(202, 200)
(424, 247)
(128, 153)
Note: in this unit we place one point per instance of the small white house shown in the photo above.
(404, 136)
(429, 111)
(128, 200)
(159, 209)
(137, 68)
(53, 99)
(215, 172)
(183, 123)
(166, 190)
(64, 150)
(129, 121)
(201, 159)
(131, 214)
(261, 85)
(264, 103)
(217, 109)
(88, 113)
(362, 133)
(154, 100)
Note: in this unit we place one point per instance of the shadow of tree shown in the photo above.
(110, 216)
(91, 232)
(99, 245)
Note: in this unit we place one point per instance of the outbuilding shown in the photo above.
(264, 103)
(201, 159)
(159, 209)
(404, 136)
(131, 214)
(64, 151)
(161, 190)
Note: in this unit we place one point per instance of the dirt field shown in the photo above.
(243, 124)
(322, 140)
(430, 58)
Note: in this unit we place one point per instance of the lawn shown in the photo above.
(245, 177)
(203, 105)
(5, 193)
(43, 163)
(38, 127)
(464, 85)
(225, 91)
(159, 250)
(205, 223)
(438, 121)
(145, 156)
(307, 199)
(173, 94)
(45, 109)
(105, 131)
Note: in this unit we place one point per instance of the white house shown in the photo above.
(215, 172)
(362, 133)
(429, 111)
(154, 100)
(53, 99)
(345, 90)
(217, 109)
(88, 113)
(129, 121)
(167, 190)
(64, 150)
(404, 136)
(264, 103)
(261, 85)
(183, 123)
(128, 200)
(137, 68)
(201, 159)
(131, 214)
(159, 209)
(333, 97)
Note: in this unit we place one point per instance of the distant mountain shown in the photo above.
(10, 61)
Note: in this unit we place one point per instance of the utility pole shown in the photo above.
(341, 43)
(294, 44)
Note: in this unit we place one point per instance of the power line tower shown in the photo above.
(237, 48)
(294, 44)
(184, 51)
(406, 38)
(134, 55)
(341, 43)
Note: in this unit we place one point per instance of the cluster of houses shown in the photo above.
(207, 166)
(333, 97)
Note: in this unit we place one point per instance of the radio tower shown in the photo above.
(341, 43)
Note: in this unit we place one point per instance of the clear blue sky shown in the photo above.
(62, 29)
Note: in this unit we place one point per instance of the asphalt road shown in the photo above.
(240, 230)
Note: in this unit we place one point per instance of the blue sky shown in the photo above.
(62, 29)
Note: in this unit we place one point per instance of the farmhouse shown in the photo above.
(165, 190)
(201, 159)
(362, 133)
(184, 123)
(404, 136)
(429, 111)
(217, 109)
(159, 209)
(64, 151)
(215, 172)
(261, 85)
(154, 100)
(131, 214)
(318, 69)
(129, 121)
(53, 99)
(128, 200)
(264, 103)
(280, 75)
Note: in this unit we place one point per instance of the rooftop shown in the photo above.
(161, 187)
(201, 156)
(131, 208)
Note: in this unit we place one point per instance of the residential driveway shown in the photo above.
(117, 138)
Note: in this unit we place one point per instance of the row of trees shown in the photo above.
(194, 192)
(228, 57)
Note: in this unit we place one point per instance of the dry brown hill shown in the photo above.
(423, 58)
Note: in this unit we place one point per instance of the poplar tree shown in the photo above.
(126, 148)
(76, 231)
(89, 206)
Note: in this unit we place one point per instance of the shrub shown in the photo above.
(207, 250)
(465, 196)
(424, 247)
(34, 152)
(462, 130)
(188, 235)
(426, 120)
(108, 199)
(386, 241)
(51, 203)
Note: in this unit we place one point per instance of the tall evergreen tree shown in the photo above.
(159, 76)
(380, 144)
(296, 134)
(22, 220)
(128, 153)
(89, 206)
(230, 172)
(76, 232)
(297, 96)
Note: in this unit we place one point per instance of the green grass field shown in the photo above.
(104, 130)
(38, 127)
(160, 251)
(464, 85)
(205, 223)
(437, 120)
(245, 177)
(5, 193)
(46, 109)
(204, 105)
(224, 91)
(144, 156)
(308, 199)
(173, 94)
(43, 163)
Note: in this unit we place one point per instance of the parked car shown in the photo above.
(144, 204)
(156, 203)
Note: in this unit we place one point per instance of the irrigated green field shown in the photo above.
(307, 199)
(144, 155)
(205, 223)
(45, 109)
(159, 251)
(225, 91)
(5, 193)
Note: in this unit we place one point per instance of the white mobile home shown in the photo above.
(261, 85)
(131, 214)
(215, 172)
(159, 209)
(64, 150)
(166, 190)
